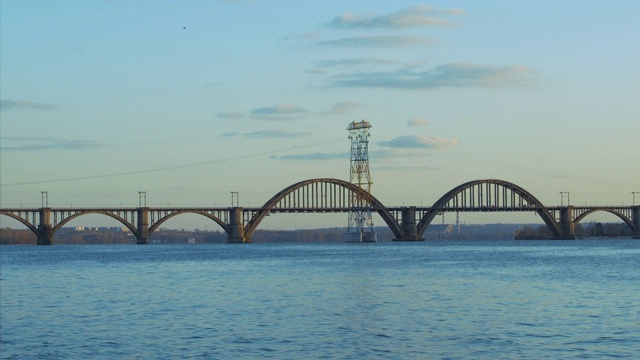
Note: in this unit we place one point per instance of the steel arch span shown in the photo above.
(321, 186)
(489, 195)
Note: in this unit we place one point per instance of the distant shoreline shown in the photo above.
(435, 232)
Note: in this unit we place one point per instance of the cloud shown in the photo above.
(279, 109)
(310, 36)
(324, 67)
(231, 115)
(276, 134)
(387, 41)
(417, 122)
(343, 107)
(383, 155)
(447, 75)
(278, 112)
(23, 104)
(416, 16)
(313, 156)
(288, 112)
(403, 146)
(266, 134)
(43, 144)
(417, 142)
(405, 168)
(359, 62)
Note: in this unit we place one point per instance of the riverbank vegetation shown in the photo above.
(595, 229)
(9, 236)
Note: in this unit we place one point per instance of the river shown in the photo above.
(435, 300)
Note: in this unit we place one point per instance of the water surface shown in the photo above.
(453, 300)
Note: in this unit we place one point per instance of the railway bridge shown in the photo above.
(327, 195)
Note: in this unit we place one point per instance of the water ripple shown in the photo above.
(488, 300)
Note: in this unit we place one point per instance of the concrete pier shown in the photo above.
(45, 230)
(636, 222)
(409, 225)
(143, 225)
(236, 226)
(566, 223)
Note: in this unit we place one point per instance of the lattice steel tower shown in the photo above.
(360, 228)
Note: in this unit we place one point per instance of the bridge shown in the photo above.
(327, 195)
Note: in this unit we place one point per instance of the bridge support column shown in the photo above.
(236, 225)
(409, 228)
(566, 223)
(45, 230)
(143, 225)
(635, 217)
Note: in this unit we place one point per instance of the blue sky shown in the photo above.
(190, 100)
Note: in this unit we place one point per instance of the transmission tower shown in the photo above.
(360, 228)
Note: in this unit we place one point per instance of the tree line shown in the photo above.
(596, 229)
(9, 236)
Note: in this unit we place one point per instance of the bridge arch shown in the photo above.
(22, 221)
(617, 213)
(464, 196)
(217, 220)
(271, 204)
(124, 222)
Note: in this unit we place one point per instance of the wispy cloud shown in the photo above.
(7, 105)
(400, 147)
(313, 156)
(288, 112)
(309, 36)
(358, 62)
(417, 142)
(231, 115)
(417, 122)
(416, 16)
(276, 134)
(269, 134)
(386, 41)
(447, 75)
(342, 107)
(278, 112)
(324, 66)
(391, 155)
(42, 144)
(404, 168)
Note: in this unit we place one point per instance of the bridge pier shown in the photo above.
(636, 222)
(236, 226)
(567, 225)
(45, 230)
(409, 226)
(143, 225)
(45, 235)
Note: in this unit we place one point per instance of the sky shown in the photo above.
(191, 100)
